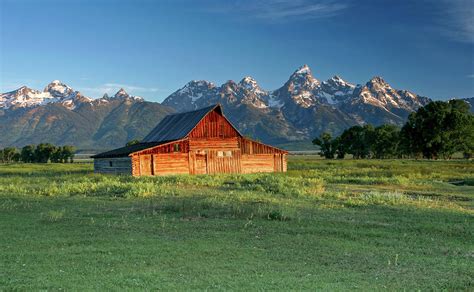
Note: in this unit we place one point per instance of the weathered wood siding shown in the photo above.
(257, 163)
(214, 143)
(224, 162)
(117, 165)
(253, 147)
(284, 158)
(171, 163)
(172, 147)
(146, 164)
(252, 163)
(197, 162)
(136, 165)
(160, 164)
(213, 125)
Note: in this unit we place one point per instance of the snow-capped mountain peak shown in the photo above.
(196, 85)
(188, 96)
(25, 97)
(303, 70)
(54, 92)
(300, 89)
(377, 92)
(337, 80)
(58, 89)
(250, 84)
(122, 94)
(303, 79)
(378, 82)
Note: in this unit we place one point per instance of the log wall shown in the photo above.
(118, 165)
(171, 163)
(257, 163)
(214, 143)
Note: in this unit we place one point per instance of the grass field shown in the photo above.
(335, 225)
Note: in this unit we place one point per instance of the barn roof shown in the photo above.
(178, 126)
(125, 151)
(173, 127)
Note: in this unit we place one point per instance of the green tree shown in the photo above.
(9, 154)
(16, 157)
(43, 152)
(339, 147)
(28, 153)
(385, 141)
(67, 153)
(357, 140)
(56, 155)
(327, 145)
(438, 130)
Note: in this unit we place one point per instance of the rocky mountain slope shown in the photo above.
(303, 107)
(299, 110)
(61, 115)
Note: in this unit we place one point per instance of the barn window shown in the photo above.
(228, 154)
(110, 163)
(176, 148)
(220, 153)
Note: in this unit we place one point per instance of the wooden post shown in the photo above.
(152, 165)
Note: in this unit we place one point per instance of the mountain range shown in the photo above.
(297, 111)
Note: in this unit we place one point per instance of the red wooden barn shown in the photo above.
(197, 142)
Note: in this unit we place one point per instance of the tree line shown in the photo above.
(41, 153)
(437, 130)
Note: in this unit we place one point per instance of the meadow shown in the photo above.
(334, 225)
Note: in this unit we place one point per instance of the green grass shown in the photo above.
(334, 225)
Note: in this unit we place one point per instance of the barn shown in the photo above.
(196, 142)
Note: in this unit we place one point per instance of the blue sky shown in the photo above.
(152, 48)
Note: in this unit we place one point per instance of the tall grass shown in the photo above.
(309, 182)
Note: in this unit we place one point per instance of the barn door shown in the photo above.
(224, 161)
(145, 165)
(201, 164)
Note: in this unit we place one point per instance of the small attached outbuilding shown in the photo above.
(197, 142)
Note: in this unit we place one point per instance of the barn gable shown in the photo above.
(178, 126)
(214, 125)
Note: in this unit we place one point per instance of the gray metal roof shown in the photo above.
(177, 126)
(125, 151)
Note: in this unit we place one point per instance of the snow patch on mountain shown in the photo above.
(54, 92)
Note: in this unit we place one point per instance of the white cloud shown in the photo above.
(130, 87)
(455, 19)
(112, 88)
(284, 10)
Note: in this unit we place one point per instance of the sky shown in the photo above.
(152, 48)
